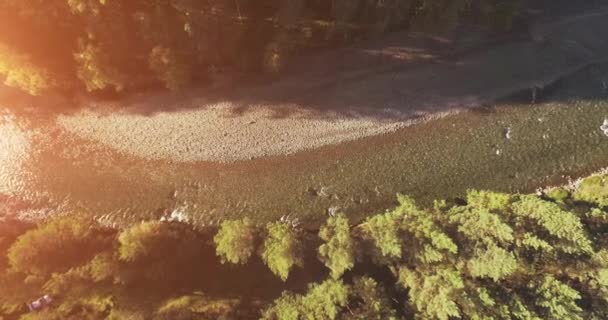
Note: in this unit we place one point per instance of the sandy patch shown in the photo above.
(216, 133)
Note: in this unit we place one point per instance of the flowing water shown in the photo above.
(547, 144)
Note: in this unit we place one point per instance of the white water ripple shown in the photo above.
(14, 152)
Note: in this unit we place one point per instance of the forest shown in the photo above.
(487, 256)
(73, 46)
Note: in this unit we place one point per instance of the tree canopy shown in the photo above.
(495, 256)
(117, 45)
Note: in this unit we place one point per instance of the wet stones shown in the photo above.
(604, 127)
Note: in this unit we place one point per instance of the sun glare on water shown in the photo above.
(14, 150)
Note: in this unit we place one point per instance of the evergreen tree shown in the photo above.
(235, 241)
(337, 251)
(368, 300)
(146, 245)
(281, 250)
(323, 301)
(56, 246)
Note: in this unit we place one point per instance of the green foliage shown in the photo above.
(287, 307)
(196, 307)
(19, 72)
(146, 245)
(494, 263)
(435, 292)
(10, 230)
(423, 233)
(169, 67)
(369, 301)
(383, 229)
(533, 242)
(96, 70)
(479, 225)
(56, 246)
(337, 251)
(488, 200)
(323, 302)
(516, 258)
(558, 299)
(281, 250)
(558, 194)
(563, 225)
(593, 190)
(122, 44)
(235, 241)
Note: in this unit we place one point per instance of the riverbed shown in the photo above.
(548, 143)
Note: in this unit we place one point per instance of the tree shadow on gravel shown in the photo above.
(401, 76)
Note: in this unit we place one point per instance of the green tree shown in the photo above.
(337, 251)
(56, 246)
(235, 241)
(323, 301)
(561, 225)
(169, 67)
(196, 307)
(434, 292)
(146, 246)
(20, 72)
(10, 230)
(96, 70)
(281, 250)
(557, 299)
(369, 301)
(383, 229)
(594, 190)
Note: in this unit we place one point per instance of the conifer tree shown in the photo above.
(281, 250)
(56, 246)
(323, 301)
(337, 251)
(368, 300)
(235, 241)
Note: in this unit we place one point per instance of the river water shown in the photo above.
(549, 143)
(45, 170)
